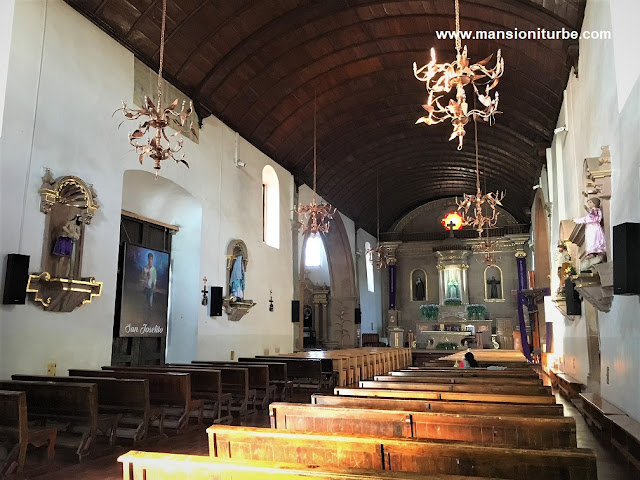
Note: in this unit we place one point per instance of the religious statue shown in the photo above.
(65, 245)
(594, 238)
(453, 291)
(563, 259)
(493, 287)
(236, 282)
(419, 292)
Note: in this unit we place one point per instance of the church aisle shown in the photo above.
(609, 467)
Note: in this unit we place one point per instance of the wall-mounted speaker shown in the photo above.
(216, 302)
(574, 306)
(295, 311)
(357, 316)
(626, 261)
(15, 280)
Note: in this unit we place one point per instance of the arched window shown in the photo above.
(313, 252)
(369, 265)
(270, 207)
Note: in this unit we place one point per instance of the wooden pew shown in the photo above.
(206, 387)
(462, 388)
(71, 408)
(461, 380)
(595, 410)
(278, 377)
(301, 371)
(164, 466)
(472, 408)
(14, 428)
(467, 372)
(259, 379)
(171, 391)
(448, 396)
(527, 432)
(126, 397)
(407, 454)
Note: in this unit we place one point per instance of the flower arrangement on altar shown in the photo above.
(571, 270)
(476, 312)
(453, 301)
(429, 312)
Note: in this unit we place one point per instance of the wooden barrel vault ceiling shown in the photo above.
(256, 65)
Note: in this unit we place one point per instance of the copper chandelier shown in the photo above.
(150, 138)
(315, 217)
(378, 255)
(477, 218)
(440, 79)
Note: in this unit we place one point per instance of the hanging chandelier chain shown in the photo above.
(164, 23)
(378, 205)
(458, 41)
(315, 140)
(150, 139)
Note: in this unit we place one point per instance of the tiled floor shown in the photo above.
(195, 442)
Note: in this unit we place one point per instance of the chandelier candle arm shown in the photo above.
(159, 118)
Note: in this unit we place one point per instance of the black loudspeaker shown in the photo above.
(357, 316)
(574, 306)
(295, 311)
(15, 280)
(626, 261)
(216, 302)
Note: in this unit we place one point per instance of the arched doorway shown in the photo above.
(343, 296)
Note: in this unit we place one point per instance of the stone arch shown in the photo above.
(541, 263)
(343, 296)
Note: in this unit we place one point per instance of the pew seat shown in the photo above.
(15, 430)
(164, 466)
(441, 406)
(569, 386)
(71, 408)
(625, 438)
(128, 398)
(447, 396)
(518, 432)
(400, 454)
(595, 409)
(170, 391)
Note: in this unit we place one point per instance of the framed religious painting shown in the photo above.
(145, 292)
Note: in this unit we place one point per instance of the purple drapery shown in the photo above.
(392, 287)
(521, 263)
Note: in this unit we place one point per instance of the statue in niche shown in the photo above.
(453, 290)
(65, 246)
(236, 281)
(563, 259)
(594, 238)
(419, 291)
(493, 287)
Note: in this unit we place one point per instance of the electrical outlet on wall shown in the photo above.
(51, 369)
(232, 356)
(607, 375)
(277, 349)
(372, 326)
(266, 351)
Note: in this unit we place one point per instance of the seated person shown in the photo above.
(469, 361)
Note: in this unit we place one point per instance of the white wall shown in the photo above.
(594, 121)
(62, 100)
